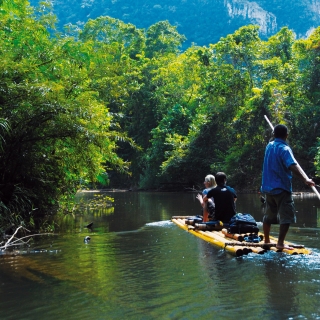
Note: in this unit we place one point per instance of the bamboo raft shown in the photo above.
(234, 243)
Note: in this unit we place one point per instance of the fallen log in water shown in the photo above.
(13, 241)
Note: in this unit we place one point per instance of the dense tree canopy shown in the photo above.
(113, 104)
(61, 134)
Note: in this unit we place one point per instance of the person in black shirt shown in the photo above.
(224, 198)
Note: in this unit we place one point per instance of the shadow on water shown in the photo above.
(139, 265)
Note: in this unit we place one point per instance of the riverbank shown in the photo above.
(295, 193)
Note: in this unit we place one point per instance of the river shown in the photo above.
(139, 265)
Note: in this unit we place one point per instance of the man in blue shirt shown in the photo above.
(278, 166)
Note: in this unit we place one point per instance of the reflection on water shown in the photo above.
(138, 265)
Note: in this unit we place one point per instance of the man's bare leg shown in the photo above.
(282, 234)
(266, 231)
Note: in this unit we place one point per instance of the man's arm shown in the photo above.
(296, 171)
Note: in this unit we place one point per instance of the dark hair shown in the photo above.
(280, 131)
(220, 178)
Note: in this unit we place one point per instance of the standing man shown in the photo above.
(224, 198)
(278, 166)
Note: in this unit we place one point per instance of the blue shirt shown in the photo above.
(276, 175)
(205, 191)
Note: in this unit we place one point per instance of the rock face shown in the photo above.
(201, 21)
(253, 13)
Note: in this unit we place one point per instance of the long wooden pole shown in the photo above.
(298, 166)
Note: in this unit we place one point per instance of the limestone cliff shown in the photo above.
(252, 13)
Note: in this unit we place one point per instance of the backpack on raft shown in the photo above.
(193, 220)
(243, 223)
(210, 226)
(198, 224)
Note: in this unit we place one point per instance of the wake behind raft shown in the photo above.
(238, 244)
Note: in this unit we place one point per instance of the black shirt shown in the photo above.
(224, 198)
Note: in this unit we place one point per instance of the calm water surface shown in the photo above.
(138, 265)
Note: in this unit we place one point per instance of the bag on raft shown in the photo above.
(192, 221)
(210, 226)
(243, 223)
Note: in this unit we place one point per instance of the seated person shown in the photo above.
(209, 207)
(224, 198)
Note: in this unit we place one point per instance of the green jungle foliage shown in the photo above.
(111, 104)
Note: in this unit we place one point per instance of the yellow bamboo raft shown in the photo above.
(234, 244)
